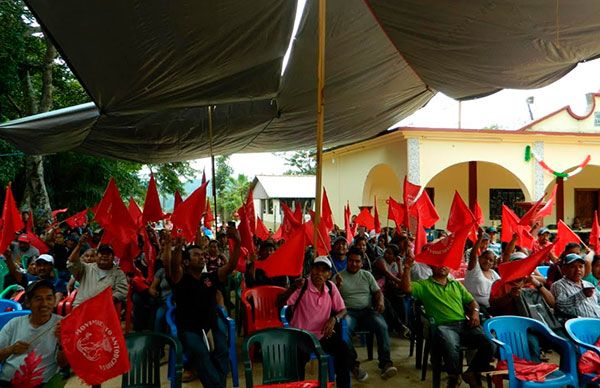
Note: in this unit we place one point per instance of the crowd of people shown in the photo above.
(370, 280)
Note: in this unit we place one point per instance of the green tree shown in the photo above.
(234, 194)
(302, 162)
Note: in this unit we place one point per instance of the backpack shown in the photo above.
(535, 307)
(292, 308)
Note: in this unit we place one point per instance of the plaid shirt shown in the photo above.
(571, 300)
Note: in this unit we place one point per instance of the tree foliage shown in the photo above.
(231, 190)
(302, 162)
(72, 180)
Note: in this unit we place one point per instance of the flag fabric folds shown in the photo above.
(376, 222)
(565, 235)
(177, 200)
(261, 230)
(77, 220)
(447, 251)
(595, 234)
(365, 219)
(288, 259)
(186, 217)
(93, 341)
(152, 209)
(11, 220)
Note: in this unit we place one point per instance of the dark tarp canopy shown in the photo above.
(151, 68)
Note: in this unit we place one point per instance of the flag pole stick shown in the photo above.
(212, 161)
(320, 120)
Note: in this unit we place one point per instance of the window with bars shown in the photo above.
(508, 197)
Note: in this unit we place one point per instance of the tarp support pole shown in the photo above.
(320, 121)
(212, 161)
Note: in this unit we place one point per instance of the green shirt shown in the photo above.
(590, 278)
(357, 288)
(442, 303)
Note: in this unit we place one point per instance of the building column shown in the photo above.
(560, 199)
(413, 160)
(472, 184)
(538, 172)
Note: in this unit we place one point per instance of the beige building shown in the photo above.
(484, 165)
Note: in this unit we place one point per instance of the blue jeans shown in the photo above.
(211, 367)
(449, 339)
(371, 320)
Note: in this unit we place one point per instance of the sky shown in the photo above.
(506, 109)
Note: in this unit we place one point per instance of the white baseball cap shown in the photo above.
(322, 260)
(45, 257)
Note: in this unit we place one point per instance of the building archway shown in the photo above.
(496, 185)
(381, 182)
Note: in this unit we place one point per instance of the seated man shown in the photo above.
(95, 277)
(32, 333)
(195, 295)
(574, 296)
(318, 307)
(339, 249)
(43, 266)
(444, 301)
(359, 289)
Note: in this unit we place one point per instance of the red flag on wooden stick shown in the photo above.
(376, 222)
(208, 216)
(77, 220)
(93, 341)
(347, 226)
(326, 213)
(261, 230)
(518, 269)
(135, 212)
(290, 222)
(395, 212)
(546, 210)
(460, 214)
(152, 209)
(447, 251)
(595, 234)
(186, 217)
(250, 212)
(564, 235)
(478, 213)
(425, 209)
(177, 200)
(11, 220)
(288, 259)
(365, 219)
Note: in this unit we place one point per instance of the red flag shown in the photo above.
(478, 213)
(208, 216)
(278, 235)
(203, 175)
(347, 226)
(93, 341)
(518, 269)
(177, 200)
(135, 212)
(460, 215)
(261, 230)
(149, 253)
(37, 242)
(152, 209)
(290, 222)
(245, 230)
(376, 222)
(112, 213)
(595, 233)
(11, 220)
(288, 259)
(77, 220)
(410, 192)
(447, 251)
(510, 225)
(298, 212)
(55, 213)
(420, 236)
(532, 214)
(250, 213)
(564, 236)
(323, 240)
(326, 213)
(395, 212)
(365, 219)
(188, 214)
(425, 209)
(546, 210)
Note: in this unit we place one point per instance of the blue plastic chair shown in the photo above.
(345, 336)
(585, 333)
(231, 336)
(7, 316)
(509, 333)
(543, 270)
(9, 305)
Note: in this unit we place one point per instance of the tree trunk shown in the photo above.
(36, 196)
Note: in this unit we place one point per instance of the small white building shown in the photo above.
(270, 191)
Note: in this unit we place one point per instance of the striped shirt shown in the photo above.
(571, 300)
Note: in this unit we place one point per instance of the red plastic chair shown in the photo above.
(260, 305)
(66, 305)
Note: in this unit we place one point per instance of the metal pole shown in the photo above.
(320, 119)
(212, 160)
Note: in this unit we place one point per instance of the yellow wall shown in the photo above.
(563, 121)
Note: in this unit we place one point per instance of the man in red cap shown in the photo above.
(23, 247)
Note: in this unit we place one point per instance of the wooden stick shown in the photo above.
(320, 120)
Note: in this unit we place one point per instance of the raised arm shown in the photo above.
(74, 264)
(475, 250)
(172, 258)
(228, 268)
(508, 250)
(12, 267)
(405, 283)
